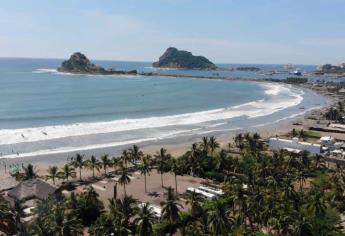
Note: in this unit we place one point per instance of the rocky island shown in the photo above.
(78, 63)
(179, 59)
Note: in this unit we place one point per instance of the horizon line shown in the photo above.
(217, 63)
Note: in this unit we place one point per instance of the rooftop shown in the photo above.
(33, 188)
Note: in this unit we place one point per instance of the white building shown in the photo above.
(294, 144)
(327, 141)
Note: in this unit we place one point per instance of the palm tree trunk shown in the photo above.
(175, 183)
(124, 189)
(162, 179)
(145, 184)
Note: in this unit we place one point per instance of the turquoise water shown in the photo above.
(42, 111)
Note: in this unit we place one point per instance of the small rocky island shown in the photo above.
(78, 63)
(179, 59)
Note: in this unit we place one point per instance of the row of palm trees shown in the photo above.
(265, 193)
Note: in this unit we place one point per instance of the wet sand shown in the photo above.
(175, 146)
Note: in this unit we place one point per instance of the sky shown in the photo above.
(225, 31)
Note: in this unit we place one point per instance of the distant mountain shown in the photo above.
(174, 58)
(78, 63)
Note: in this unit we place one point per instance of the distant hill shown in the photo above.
(78, 63)
(174, 58)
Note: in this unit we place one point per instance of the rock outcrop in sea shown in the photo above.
(78, 63)
(179, 59)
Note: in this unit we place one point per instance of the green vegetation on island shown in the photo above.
(179, 59)
(78, 63)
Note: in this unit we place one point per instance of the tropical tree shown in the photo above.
(53, 173)
(106, 162)
(171, 210)
(78, 162)
(161, 158)
(145, 219)
(218, 219)
(213, 144)
(7, 218)
(239, 141)
(61, 221)
(174, 168)
(93, 164)
(88, 206)
(205, 145)
(124, 178)
(29, 172)
(126, 157)
(120, 213)
(67, 172)
(194, 200)
(136, 153)
(145, 167)
(193, 157)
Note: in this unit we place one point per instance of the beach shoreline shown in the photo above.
(177, 146)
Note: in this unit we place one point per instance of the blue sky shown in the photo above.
(225, 31)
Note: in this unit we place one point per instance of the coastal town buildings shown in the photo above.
(293, 145)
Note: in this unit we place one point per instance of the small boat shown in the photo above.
(296, 72)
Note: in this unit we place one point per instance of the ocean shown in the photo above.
(44, 112)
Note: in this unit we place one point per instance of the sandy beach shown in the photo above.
(175, 146)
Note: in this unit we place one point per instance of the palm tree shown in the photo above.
(213, 144)
(106, 162)
(124, 179)
(239, 141)
(171, 210)
(218, 218)
(67, 172)
(145, 167)
(193, 156)
(53, 173)
(7, 218)
(116, 162)
(93, 164)
(120, 213)
(174, 168)
(78, 162)
(205, 145)
(29, 172)
(194, 200)
(126, 157)
(136, 153)
(62, 222)
(145, 220)
(220, 159)
(18, 215)
(161, 158)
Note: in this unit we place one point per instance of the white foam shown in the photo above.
(43, 71)
(76, 149)
(273, 89)
(251, 110)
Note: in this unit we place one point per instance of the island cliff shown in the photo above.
(78, 63)
(174, 58)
